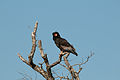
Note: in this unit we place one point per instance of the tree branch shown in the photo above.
(58, 61)
(61, 77)
(73, 73)
(87, 59)
(64, 66)
(33, 43)
(31, 55)
(44, 56)
(40, 48)
(48, 74)
(35, 67)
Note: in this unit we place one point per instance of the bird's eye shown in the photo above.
(55, 34)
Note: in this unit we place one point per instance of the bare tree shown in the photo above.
(48, 73)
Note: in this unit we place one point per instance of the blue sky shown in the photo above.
(90, 25)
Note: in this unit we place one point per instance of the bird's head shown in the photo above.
(56, 34)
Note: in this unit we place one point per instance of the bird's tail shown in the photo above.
(75, 53)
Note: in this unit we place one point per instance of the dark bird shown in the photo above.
(63, 44)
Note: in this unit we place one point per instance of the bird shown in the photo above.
(63, 44)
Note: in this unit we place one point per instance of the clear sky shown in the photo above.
(90, 25)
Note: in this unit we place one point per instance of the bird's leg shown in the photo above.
(63, 53)
(66, 53)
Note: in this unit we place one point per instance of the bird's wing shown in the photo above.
(66, 45)
(67, 48)
(64, 42)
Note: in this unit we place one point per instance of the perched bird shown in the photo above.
(63, 44)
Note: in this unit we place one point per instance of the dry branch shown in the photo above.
(47, 74)
(31, 55)
(73, 73)
(61, 77)
(58, 61)
(44, 56)
(87, 58)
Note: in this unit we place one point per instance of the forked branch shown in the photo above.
(47, 74)
(31, 55)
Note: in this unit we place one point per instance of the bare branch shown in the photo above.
(73, 73)
(30, 62)
(33, 41)
(58, 61)
(64, 66)
(33, 44)
(44, 56)
(80, 69)
(68, 65)
(25, 76)
(35, 67)
(48, 73)
(84, 62)
(25, 61)
(61, 77)
(87, 59)
(40, 48)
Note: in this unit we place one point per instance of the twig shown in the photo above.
(25, 76)
(64, 66)
(87, 59)
(61, 77)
